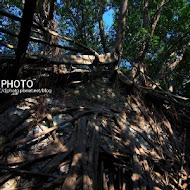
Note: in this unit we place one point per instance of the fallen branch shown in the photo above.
(71, 180)
(39, 26)
(38, 40)
(10, 46)
(16, 120)
(30, 173)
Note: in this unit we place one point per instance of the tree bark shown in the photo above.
(24, 36)
(47, 19)
(118, 48)
(101, 26)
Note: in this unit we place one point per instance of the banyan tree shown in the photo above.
(108, 108)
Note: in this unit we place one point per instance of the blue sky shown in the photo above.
(108, 19)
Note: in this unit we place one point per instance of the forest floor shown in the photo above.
(96, 135)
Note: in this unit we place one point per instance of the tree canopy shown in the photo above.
(152, 40)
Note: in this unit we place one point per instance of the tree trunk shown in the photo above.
(48, 21)
(118, 47)
(139, 70)
(101, 26)
(24, 36)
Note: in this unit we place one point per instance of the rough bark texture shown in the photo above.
(101, 26)
(107, 143)
(47, 19)
(121, 27)
(24, 35)
(92, 134)
(118, 48)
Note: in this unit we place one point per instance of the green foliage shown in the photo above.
(171, 35)
(14, 7)
(78, 19)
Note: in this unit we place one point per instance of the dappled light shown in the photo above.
(90, 147)
(94, 95)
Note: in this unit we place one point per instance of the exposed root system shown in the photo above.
(66, 142)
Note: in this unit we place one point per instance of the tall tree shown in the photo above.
(132, 130)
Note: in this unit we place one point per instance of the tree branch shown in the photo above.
(10, 46)
(140, 65)
(118, 48)
(11, 16)
(101, 26)
(34, 39)
(14, 17)
(47, 19)
(169, 67)
(153, 27)
(70, 40)
(39, 26)
(24, 35)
